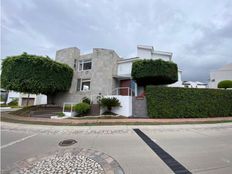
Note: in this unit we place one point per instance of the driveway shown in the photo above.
(205, 148)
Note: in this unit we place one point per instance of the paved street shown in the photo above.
(151, 149)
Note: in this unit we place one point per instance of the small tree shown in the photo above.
(36, 75)
(109, 103)
(225, 84)
(154, 72)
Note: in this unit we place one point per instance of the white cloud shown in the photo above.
(197, 32)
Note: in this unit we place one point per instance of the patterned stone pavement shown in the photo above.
(69, 161)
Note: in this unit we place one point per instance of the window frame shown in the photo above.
(79, 86)
(81, 64)
(75, 64)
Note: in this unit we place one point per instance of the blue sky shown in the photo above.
(198, 32)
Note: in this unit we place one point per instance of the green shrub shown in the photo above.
(4, 105)
(86, 100)
(82, 108)
(67, 108)
(2, 97)
(167, 102)
(35, 74)
(60, 114)
(109, 102)
(154, 72)
(13, 102)
(225, 84)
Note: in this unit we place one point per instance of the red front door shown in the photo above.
(125, 87)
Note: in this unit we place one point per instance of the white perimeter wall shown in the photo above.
(218, 76)
(124, 68)
(12, 95)
(40, 99)
(126, 105)
(144, 53)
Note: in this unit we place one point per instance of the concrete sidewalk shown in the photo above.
(12, 118)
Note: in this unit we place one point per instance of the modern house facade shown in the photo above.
(93, 73)
(104, 73)
(223, 73)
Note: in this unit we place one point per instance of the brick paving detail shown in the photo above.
(71, 160)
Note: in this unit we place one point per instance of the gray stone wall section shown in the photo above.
(68, 55)
(139, 107)
(104, 68)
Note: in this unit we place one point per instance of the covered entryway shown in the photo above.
(127, 87)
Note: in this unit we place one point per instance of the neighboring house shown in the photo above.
(191, 84)
(103, 72)
(33, 99)
(23, 98)
(223, 73)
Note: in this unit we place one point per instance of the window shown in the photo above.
(85, 65)
(75, 64)
(83, 84)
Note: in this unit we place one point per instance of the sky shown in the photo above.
(197, 32)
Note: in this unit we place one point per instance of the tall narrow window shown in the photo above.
(78, 84)
(75, 64)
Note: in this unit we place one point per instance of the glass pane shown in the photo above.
(87, 65)
(85, 86)
(75, 63)
(78, 84)
(80, 66)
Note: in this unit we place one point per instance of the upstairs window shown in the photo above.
(85, 65)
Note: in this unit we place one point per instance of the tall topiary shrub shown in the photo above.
(154, 72)
(35, 74)
(225, 84)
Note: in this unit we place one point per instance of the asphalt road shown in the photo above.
(158, 149)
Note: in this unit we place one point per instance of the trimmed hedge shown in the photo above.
(35, 74)
(225, 84)
(154, 72)
(167, 102)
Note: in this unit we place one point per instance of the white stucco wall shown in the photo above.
(126, 105)
(12, 95)
(160, 56)
(144, 53)
(224, 73)
(124, 68)
(40, 99)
